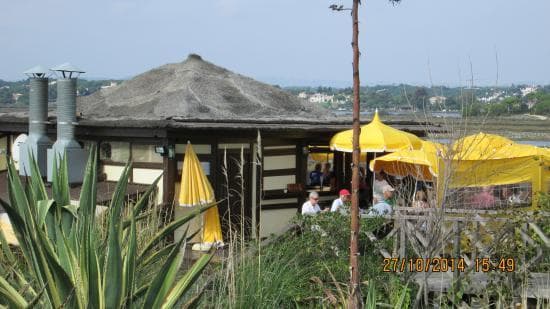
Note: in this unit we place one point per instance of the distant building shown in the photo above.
(531, 103)
(113, 84)
(16, 96)
(437, 100)
(321, 98)
(527, 90)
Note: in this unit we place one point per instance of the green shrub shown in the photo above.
(68, 257)
(307, 266)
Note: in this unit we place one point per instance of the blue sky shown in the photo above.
(287, 42)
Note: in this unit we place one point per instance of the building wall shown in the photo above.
(147, 176)
(275, 221)
(278, 206)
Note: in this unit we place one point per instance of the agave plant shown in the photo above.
(64, 260)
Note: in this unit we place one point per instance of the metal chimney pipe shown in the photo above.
(37, 142)
(66, 115)
(38, 108)
(66, 146)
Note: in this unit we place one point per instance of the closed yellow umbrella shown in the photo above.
(196, 190)
(376, 137)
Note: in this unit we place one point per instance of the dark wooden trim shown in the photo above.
(8, 146)
(295, 206)
(339, 169)
(169, 167)
(156, 166)
(301, 170)
(278, 194)
(279, 152)
(280, 172)
(202, 157)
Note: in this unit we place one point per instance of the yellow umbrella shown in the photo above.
(196, 190)
(376, 137)
(327, 156)
(421, 164)
(481, 146)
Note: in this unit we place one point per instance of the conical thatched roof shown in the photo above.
(195, 89)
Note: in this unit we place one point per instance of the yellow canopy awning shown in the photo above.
(376, 137)
(196, 190)
(481, 146)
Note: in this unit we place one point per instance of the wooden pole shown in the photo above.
(355, 299)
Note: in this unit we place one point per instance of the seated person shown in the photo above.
(484, 199)
(315, 176)
(311, 207)
(388, 195)
(380, 182)
(381, 207)
(341, 204)
(327, 176)
(509, 196)
(420, 200)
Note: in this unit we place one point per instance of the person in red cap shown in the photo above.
(341, 204)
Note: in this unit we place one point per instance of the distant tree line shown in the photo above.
(468, 101)
(17, 92)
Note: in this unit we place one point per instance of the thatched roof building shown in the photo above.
(195, 90)
(150, 118)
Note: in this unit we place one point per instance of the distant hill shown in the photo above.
(505, 100)
(509, 100)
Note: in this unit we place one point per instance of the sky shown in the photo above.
(285, 42)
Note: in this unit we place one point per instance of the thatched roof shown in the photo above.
(195, 89)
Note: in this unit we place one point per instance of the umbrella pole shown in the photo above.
(373, 180)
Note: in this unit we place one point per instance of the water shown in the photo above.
(536, 143)
(545, 144)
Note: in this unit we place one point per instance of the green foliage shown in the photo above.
(307, 266)
(67, 259)
(8, 89)
(542, 107)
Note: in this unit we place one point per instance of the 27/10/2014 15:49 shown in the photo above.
(440, 264)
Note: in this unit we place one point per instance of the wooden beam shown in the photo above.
(280, 172)
(169, 167)
(279, 152)
(281, 206)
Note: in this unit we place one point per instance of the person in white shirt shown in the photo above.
(311, 207)
(379, 183)
(339, 204)
(380, 208)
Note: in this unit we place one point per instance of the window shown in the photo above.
(145, 153)
(114, 151)
(320, 171)
(491, 197)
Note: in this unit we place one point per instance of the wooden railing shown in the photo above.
(423, 238)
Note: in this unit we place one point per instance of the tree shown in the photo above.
(420, 97)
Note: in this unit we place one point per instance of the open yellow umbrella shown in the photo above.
(196, 190)
(419, 163)
(376, 137)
